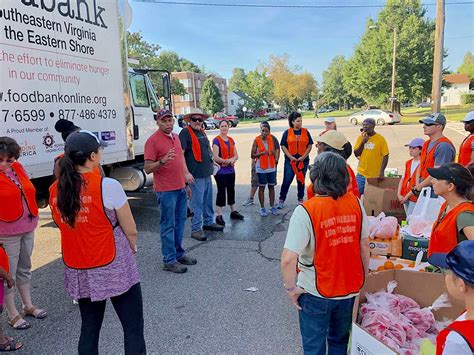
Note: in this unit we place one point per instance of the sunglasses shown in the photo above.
(8, 161)
(431, 124)
(196, 119)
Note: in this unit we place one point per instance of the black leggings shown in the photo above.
(129, 308)
(225, 182)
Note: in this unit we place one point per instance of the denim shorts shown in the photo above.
(269, 179)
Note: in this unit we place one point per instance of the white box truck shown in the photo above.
(68, 59)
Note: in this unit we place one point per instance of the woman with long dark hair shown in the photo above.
(296, 143)
(455, 222)
(98, 240)
(327, 242)
(18, 221)
(66, 127)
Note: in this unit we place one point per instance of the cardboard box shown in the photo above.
(389, 247)
(412, 245)
(382, 197)
(429, 287)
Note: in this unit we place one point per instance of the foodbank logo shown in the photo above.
(48, 140)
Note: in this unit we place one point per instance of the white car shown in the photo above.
(381, 117)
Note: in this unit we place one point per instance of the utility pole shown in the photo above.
(438, 58)
(394, 62)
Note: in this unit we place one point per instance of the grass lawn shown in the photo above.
(410, 115)
(413, 115)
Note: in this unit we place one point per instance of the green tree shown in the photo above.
(258, 87)
(211, 100)
(237, 81)
(149, 58)
(368, 72)
(291, 88)
(467, 67)
(335, 92)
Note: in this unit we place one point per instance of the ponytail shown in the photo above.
(70, 182)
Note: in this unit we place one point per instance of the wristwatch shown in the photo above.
(415, 191)
(161, 162)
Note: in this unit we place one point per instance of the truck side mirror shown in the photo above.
(166, 90)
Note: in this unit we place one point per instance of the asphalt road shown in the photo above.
(206, 310)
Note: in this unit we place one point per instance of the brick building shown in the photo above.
(193, 83)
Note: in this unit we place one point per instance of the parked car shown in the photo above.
(322, 110)
(179, 119)
(275, 115)
(423, 104)
(220, 116)
(381, 117)
(211, 123)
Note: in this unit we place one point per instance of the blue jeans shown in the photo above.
(288, 176)
(201, 203)
(173, 216)
(361, 183)
(325, 320)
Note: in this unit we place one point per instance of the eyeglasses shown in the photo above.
(8, 161)
(196, 119)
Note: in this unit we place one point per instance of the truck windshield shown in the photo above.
(155, 103)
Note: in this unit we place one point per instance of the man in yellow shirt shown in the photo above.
(372, 151)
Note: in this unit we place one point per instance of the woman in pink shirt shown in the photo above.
(18, 221)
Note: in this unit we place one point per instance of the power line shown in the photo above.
(211, 4)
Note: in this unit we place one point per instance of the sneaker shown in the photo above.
(280, 205)
(220, 220)
(213, 227)
(248, 202)
(187, 260)
(236, 215)
(274, 211)
(176, 267)
(199, 235)
(263, 212)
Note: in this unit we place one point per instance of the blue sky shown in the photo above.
(222, 38)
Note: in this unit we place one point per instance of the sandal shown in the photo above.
(22, 326)
(10, 345)
(35, 312)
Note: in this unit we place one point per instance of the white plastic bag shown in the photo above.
(424, 214)
(383, 227)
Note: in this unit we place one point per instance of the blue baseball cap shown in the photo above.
(461, 261)
(330, 119)
(434, 118)
(416, 142)
(469, 117)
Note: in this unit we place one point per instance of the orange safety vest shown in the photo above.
(91, 242)
(4, 263)
(444, 233)
(351, 187)
(226, 153)
(95, 170)
(409, 181)
(337, 228)
(427, 159)
(267, 161)
(195, 146)
(297, 144)
(465, 328)
(11, 192)
(465, 150)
